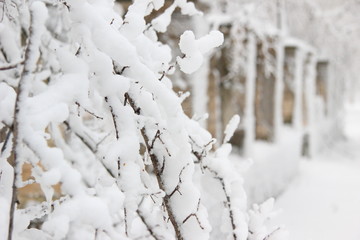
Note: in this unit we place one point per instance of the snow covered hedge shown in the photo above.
(87, 102)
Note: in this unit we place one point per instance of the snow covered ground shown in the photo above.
(323, 201)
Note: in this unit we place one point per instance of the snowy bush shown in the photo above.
(259, 223)
(86, 102)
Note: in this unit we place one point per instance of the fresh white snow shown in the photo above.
(323, 201)
(96, 113)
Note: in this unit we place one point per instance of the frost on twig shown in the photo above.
(228, 202)
(221, 174)
(259, 227)
(158, 160)
(152, 222)
(156, 163)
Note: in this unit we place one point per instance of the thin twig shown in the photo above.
(228, 199)
(176, 189)
(126, 222)
(158, 136)
(270, 234)
(149, 227)
(91, 113)
(156, 163)
(113, 117)
(195, 216)
(81, 137)
(165, 72)
(90, 147)
(11, 66)
(117, 69)
(4, 146)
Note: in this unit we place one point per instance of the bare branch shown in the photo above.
(91, 113)
(163, 74)
(158, 136)
(126, 222)
(149, 25)
(66, 5)
(176, 189)
(119, 70)
(7, 138)
(163, 166)
(78, 51)
(113, 117)
(197, 219)
(199, 155)
(270, 234)
(195, 216)
(11, 66)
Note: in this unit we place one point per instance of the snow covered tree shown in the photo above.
(87, 104)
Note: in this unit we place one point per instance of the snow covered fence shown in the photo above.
(269, 79)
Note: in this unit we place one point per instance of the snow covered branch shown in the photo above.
(158, 171)
(38, 17)
(109, 151)
(228, 199)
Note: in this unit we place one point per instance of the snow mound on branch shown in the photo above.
(259, 217)
(188, 8)
(194, 49)
(161, 22)
(7, 103)
(231, 127)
